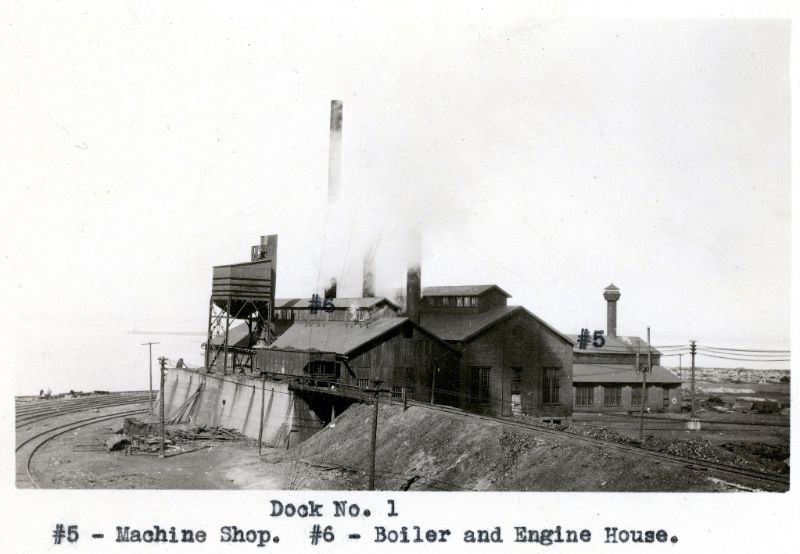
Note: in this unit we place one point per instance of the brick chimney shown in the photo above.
(611, 294)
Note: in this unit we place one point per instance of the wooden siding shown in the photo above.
(519, 341)
(404, 347)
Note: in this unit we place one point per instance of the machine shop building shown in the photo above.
(606, 378)
(512, 362)
(393, 351)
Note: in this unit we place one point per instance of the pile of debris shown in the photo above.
(144, 436)
(727, 454)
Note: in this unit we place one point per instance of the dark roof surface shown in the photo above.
(614, 346)
(462, 326)
(335, 336)
(339, 303)
(618, 373)
(461, 290)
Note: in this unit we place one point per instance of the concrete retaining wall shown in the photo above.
(234, 402)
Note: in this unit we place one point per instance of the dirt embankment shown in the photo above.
(423, 449)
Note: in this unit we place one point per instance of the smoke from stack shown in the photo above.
(414, 277)
(368, 274)
(330, 290)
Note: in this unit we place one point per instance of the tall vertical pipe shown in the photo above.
(335, 152)
(611, 294)
(414, 276)
(334, 174)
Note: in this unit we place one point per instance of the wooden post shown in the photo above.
(405, 402)
(163, 361)
(693, 349)
(433, 384)
(150, 345)
(261, 421)
(373, 440)
(208, 339)
(227, 331)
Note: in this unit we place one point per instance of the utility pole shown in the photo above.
(680, 367)
(261, 420)
(693, 350)
(150, 344)
(163, 362)
(644, 389)
(433, 384)
(373, 439)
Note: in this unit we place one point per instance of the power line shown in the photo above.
(743, 359)
(745, 349)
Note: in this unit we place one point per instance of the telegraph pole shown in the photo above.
(644, 389)
(261, 420)
(433, 383)
(163, 362)
(693, 350)
(150, 344)
(373, 440)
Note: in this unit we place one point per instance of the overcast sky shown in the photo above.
(548, 155)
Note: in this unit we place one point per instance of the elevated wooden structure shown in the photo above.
(243, 291)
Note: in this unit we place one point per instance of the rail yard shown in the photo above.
(62, 444)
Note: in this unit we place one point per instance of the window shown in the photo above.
(480, 384)
(459, 301)
(363, 377)
(584, 396)
(516, 380)
(636, 395)
(473, 300)
(445, 300)
(612, 396)
(551, 387)
(397, 392)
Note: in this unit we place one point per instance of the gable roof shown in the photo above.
(614, 346)
(619, 373)
(462, 290)
(460, 327)
(339, 303)
(342, 337)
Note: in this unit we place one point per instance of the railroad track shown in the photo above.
(25, 408)
(26, 449)
(29, 417)
(677, 422)
(772, 479)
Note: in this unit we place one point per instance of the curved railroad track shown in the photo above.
(773, 480)
(26, 449)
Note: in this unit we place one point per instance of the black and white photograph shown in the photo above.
(435, 252)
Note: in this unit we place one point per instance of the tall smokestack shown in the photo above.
(414, 277)
(335, 152)
(611, 294)
(368, 274)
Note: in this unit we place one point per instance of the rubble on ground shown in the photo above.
(144, 436)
